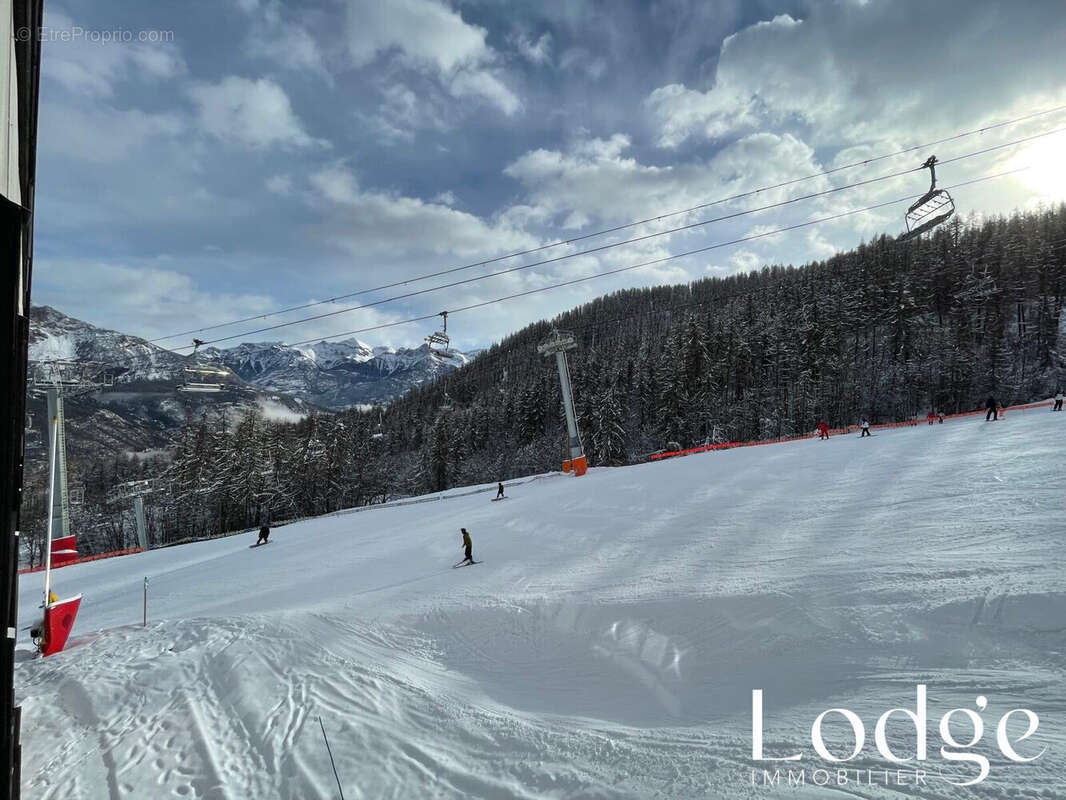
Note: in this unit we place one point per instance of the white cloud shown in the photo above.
(279, 35)
(432, 38)
(480, 83)
(537, 51)
(143, 299)
(402, 113)
(426, 32)
(853, 72)
(93, 69)
(578, 59)
(368, 222)
(105, 135)
(595, 179)
(290, 45)
(745, 261)
(336, 184)
(678, 113)
(279, 184)
(256, 113)
(819, 246)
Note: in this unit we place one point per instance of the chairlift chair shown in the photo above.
(438, 340)
(203, 378)
(447, 404)
(929, 210)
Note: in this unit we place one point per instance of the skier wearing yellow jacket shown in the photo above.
(469, 546)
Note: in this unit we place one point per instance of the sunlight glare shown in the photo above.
(1047, 161)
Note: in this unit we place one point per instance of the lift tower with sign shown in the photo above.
(557, 343)
(59, 379)
(136, 491)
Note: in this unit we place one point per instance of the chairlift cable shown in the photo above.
(609, 246)
(615, 229)
(649, 263)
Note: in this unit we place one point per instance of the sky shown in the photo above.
(210, 160)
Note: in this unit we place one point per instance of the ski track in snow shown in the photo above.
(608, 646)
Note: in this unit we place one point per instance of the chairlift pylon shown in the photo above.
(929, 210)
(438, 340)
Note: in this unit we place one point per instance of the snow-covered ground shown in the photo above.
(607, 646)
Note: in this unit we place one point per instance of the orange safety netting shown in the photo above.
(82, 560)
(837, 431)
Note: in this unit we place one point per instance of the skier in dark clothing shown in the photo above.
(264, 534)
(499, 490)
(1058, 401)
(865, 425)
(991, 405)
(468, 546)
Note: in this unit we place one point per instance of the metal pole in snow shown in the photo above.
(568, 404)
(51, 511)
(145, 623)
(558, 343)
(331, 761)
(138, 512)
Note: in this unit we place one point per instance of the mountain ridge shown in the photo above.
(332, 375)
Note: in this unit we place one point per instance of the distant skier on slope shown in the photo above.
(991, 405)
(264, 535)
(499, 490)
(1058, 401)
(468, 546)
(823, 430)
(865, 425)
(930, 417)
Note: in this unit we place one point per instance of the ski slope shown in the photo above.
(607, 646)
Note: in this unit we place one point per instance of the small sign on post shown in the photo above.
(145, 623)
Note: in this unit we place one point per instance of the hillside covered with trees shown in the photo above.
(888, 330)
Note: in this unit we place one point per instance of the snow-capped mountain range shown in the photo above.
(333, 375)
(55, 336)
(336, 374)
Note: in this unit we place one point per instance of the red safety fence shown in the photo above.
(908, 423)
(82, 560)
(701, 449)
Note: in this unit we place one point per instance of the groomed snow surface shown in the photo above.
(607, 646)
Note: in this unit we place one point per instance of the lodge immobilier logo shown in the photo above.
(956, 761)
